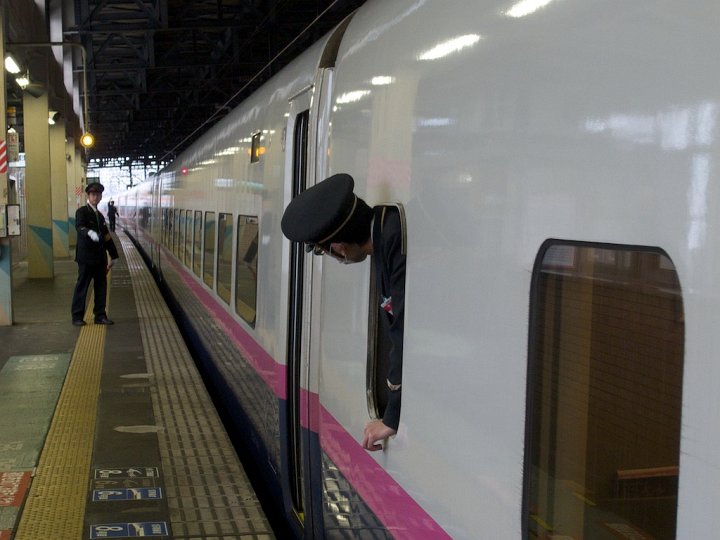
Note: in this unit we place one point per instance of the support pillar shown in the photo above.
(6, 305)
(58, 187)
(73, 189)
(37, 186)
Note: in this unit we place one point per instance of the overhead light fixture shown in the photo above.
(23, 81)
(450, 46)
(382, 80)
(87, 140)
(11, 65)
(526, 7)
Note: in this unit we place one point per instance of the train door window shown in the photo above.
(188, 238)
(176, 232)
(224, 256)
(209, 258)
(197, 243)
(246, 269)
(256, 149)
(379, 342)
(604, 394)
(166, 218)
(378, 361)
(181, 235)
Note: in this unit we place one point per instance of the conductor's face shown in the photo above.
(347, 253)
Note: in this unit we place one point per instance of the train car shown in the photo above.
(556, 163)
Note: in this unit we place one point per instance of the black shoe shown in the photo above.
(103, 320)
(78, 322)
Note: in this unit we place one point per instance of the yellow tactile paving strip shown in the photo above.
(55, 507)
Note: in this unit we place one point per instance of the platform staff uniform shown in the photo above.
(94, 243)
(330, 219)
(389, 259)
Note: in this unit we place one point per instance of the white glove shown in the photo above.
(111, 263)
(93, 236)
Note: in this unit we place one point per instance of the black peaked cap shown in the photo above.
(94, 186)
(320, 212)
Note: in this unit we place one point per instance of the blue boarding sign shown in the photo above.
(128, 472)
(129, 530)
(126, 494)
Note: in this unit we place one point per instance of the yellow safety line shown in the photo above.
(55, 507)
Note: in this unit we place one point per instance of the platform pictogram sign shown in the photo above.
(129, 530)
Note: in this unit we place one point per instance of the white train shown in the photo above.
(559, 168)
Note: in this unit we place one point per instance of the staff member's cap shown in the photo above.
(320, 213)
(95, 187)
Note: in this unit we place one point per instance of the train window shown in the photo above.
(176, 232)
(378, 354)
(379, 342)
(166, 221)
(604, 394)
(197, 243)
(209, 258)
(181, 235)
(256, 150)
(246, 268)
(224, 256)
(188, 238)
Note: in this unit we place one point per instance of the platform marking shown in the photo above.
(128, 472)
(129, 530)
(127, 494)
(13, 486)
(55, 506)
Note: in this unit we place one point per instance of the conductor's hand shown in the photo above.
(111, 263)
(93, 236)
(375, 432)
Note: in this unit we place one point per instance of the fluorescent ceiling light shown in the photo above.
(11, 65)
(526, 7)
(382, 80)
(448, 47)
(350, 97)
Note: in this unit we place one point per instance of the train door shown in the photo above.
(157, 224)
(304, 152)
(297, 153)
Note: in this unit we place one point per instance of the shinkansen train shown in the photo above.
(558, 167)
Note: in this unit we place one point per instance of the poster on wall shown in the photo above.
(13, 220)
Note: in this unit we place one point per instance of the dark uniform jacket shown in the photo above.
(87, 251)
(389, 263)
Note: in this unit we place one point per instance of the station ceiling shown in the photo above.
(157, 70)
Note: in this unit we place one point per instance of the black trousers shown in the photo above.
(87, 273)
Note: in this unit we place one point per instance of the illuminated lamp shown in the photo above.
(87, 140)
(11, 64)
(23, 81)
(184, 170)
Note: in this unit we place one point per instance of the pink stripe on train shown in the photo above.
(397, 510)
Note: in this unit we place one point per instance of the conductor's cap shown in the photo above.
(95, 187)
(320, 213)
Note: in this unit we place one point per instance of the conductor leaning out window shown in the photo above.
(330, 219)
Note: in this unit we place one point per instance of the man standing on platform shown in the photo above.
(112, 214)
(93, 242)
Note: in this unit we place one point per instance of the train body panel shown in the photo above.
(537, 149)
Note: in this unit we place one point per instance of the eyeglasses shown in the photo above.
(317, 249)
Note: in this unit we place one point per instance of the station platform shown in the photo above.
(108, 431)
